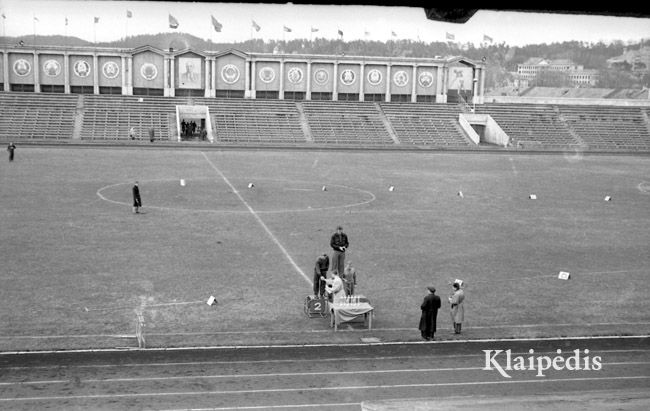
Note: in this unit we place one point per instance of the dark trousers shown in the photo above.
(319, 286)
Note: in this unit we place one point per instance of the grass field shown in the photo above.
(78, 265)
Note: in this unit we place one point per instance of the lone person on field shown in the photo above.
(132, 133)
(339, 243)
(137, 201)
(151, 134)
(10, 148)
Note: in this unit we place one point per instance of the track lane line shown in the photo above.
(275, 375)
(314, 389)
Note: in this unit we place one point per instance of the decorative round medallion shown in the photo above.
(321, 77)
(400, 78)
(295, 75)
(148, 71)
(267, 74)
(425, 79)
(374, 77)
(52, 68)
(348, 77)
(81, 68)
(230, 73)
(110, 69)
(22, 67)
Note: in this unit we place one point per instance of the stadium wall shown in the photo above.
(147, 70)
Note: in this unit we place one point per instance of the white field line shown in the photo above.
(259, 220)
(315, 389)
(276, 375)
(180, 334)
(270, 407)
(295, 360)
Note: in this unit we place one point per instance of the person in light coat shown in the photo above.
(334, 287)
(457, 307)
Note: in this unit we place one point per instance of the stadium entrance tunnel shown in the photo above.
(266, 195)
(482, 128)
(193, 122)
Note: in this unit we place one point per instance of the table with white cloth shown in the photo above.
(350, 308)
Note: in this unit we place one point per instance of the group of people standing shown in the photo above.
(431, 305)
(343, 278)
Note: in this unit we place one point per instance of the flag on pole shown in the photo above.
(3, 16)
(129, 14)
(487, 38)
(287, 29)
(96, 19)
(314, 29)
(340, 33)
(256, 26)
(392, 33)
(66, 21)
(173, 23)
(450, 36)
(36, 18)
(217, 26)
(367, 33)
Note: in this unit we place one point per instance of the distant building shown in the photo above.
(638, 60)
(529, 71)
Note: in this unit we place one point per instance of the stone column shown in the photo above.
(335, 82)
(208, 92)
(129, 75)
(5, 73)
(413, 86)
(95, 73)
(124, 88)
(66, 73)
(388, 80)
(482, 92)
(308, 90)
(247, 79)
(213, 75)
(253, 94)
(37, 73)
(167, 77)
(439, 83)
(172, 71)
(362, 80)
(281, 91)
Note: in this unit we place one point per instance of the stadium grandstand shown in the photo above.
(84, 95)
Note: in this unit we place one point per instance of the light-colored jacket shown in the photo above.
(335, 287)
(457, 306)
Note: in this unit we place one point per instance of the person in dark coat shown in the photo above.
(10, 148)
(137, 201)
(320, 273)
(339, 243)
(151, 134)
(429, 308)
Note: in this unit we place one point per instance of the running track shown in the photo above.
(316, 377)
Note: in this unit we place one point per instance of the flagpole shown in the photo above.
(34, 28)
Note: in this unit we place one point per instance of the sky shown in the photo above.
(378, 23)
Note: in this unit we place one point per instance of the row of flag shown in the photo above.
(173, 23)
(486, 38)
